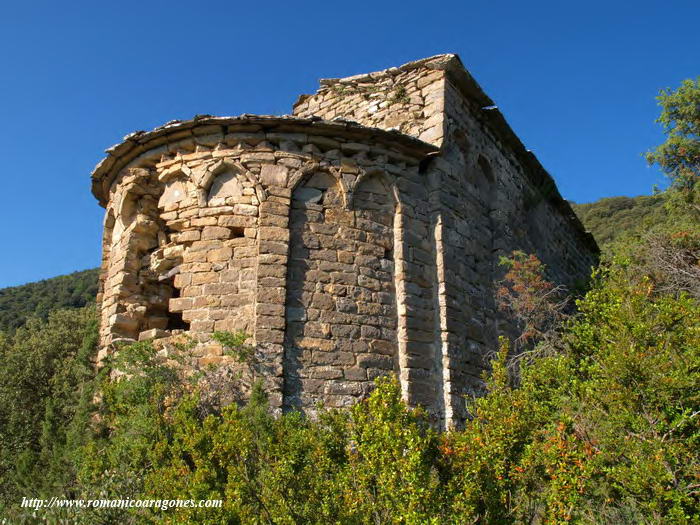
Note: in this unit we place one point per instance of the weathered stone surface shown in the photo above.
(308, 195)
(343, 250)
(273, 175)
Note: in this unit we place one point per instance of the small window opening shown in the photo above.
(158, 314)
(237, 231)
(175, 320)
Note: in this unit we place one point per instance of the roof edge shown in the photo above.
(434, 62)
(139, 142)
(460, 77)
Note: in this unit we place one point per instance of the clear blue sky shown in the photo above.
(576, 80)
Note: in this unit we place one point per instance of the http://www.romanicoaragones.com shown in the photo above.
(162, 504)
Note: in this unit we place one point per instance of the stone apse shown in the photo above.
(358, 237)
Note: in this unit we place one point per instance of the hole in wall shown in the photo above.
(237, 232)
(175, 320)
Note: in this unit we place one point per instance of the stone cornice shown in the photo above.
(203, 128)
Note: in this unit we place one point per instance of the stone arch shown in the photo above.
(175, 191)
(225, 184)
(144, 284)
(126, 213)
(220, 180)
(377, 211)
(314, 301)
(315, 173)
(321, 188)
(108, 230)
(107, 243)
(485, 172)
(459, 146)
(486, 190)
(340, 311)
(175, 185)
(376, 182)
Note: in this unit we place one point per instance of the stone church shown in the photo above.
(358, 237)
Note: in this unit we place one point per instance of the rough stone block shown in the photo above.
(273, 175)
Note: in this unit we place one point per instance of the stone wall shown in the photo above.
(347, 248)
(293, 231)
(408, 99)
(491, 197)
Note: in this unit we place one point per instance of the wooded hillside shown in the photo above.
(18, 303)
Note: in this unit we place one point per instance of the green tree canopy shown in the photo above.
(679, 156)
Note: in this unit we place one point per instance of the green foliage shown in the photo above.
(604, 431)
(616, 218)
(45, 393)
(533, 302)
(679, 156)
(392, 474)
(235, 345)
(604, 427)
(19, 303)
(375, 463)
(638, 400)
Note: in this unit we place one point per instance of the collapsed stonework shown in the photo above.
(356, 238)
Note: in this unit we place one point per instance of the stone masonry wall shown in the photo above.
(489, 197)
(358, 238)
(408, 99)
(311, 243)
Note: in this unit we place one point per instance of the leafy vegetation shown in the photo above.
(679, 156)
(46, 388)
(19, 303)
(615, 218)
(604, 429)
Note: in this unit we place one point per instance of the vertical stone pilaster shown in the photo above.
(443, 362)
(273, 251)
(401, 299)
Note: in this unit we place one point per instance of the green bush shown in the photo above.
(603, 428)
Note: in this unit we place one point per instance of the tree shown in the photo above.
(679, 156)
(46, 373)
(535, 304)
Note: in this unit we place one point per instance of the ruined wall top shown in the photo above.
(419, 99)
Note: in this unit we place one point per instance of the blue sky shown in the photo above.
(576, 81)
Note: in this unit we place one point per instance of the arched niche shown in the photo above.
(224, 185)
(108, 230)
(374, 192)
(319, 188)
(340, 290)
(175, 191)
(316, 219)
(377, 214)
(460, 145)
(485, 175)
(127, 209)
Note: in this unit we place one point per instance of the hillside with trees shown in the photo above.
(613, 218)
(37, 299)
(594, 419)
